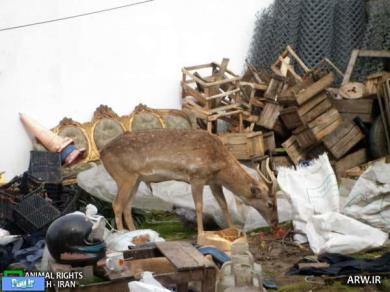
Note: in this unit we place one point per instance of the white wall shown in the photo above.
(119, 58)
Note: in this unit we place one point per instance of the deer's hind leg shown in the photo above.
(125, 189)
(217, 191)
(129, 205)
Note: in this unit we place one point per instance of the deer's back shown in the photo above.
(165, 154)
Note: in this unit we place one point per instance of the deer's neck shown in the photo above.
(236, 179)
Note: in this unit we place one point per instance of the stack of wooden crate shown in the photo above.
(281, 113)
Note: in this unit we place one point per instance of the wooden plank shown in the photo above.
(321, 131)
(354, 159)
(326, 118)
(305, 137)
(358, 170)
(318, 110)
(318, 86)
(362, 105)
(269, 141)
(351, 64)
(366, 118)
(332, 139)
(182, 255)
(312, 103)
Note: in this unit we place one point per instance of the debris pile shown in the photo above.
(289, 116)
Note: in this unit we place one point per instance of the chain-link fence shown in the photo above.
(322, 28)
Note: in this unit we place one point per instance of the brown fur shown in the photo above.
(192, 156)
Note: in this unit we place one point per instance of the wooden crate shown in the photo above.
(293, 150)
(304, 137)
(218, 87)
(269, 142)
(287, 96)
(349, 109)
(314, 107)
(244, 146)
(325, 124)
(275, 86)
(291, 118)
(343, 138)
(354, 159)
(269, 115)
(312, 90)
(294, 117)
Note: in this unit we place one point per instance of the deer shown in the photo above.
(193, 156)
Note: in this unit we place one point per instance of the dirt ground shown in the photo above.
(278, 256)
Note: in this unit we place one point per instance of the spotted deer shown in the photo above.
(193, 156)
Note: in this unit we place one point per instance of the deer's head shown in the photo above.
(264, 194)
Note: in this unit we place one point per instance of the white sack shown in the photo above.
(315, 200)
(336, 233)
(99, 183)
(312, 189)
(369, 199)
(121, 240)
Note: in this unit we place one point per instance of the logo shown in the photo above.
(14, 280)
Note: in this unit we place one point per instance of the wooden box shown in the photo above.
(291, 118)
(325, 124)
(214, 89)
(343, 138)
(349, 109)
(269, 142)
(293, 150)
(304, 137)
(294, 117)
(312, 90)
(244, 146)
(269, 115)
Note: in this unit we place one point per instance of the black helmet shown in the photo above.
(67, 241)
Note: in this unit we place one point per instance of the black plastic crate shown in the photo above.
(6, 207)
(34, 213)
(45, 166)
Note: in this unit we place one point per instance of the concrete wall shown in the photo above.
(119, 58)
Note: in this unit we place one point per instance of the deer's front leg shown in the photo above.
(197, 194)
(217, 191)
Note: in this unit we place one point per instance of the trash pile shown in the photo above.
(291, 116)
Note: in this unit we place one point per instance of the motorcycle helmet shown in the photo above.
(67, 240)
